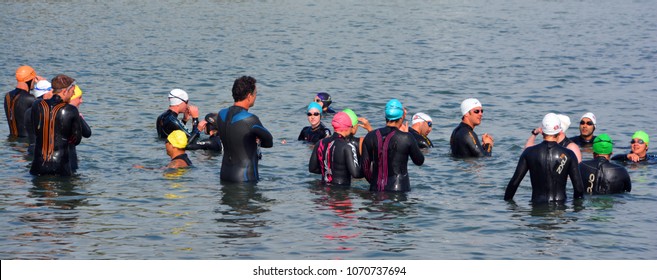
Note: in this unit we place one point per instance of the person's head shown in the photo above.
(176, 143)
(76, 99)
(587, 124)
(394, 111)
(64, 86)
(26, 74)
(211, 123)
(342, 124)
(471, 111)
(244, 89)
(314, 113)
(354, 120)
(640, 141)
(178, 100)
(324, 99)
(551, 126)
(565, 122)
(41, 88)
(422, 123)
(602, 145)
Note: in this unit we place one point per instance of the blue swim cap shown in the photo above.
(314, 105)
(394, 110)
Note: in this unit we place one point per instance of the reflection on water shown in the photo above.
(242, 215)
(342, 228)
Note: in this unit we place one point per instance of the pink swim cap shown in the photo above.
(341, 122)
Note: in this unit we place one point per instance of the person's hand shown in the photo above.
(487, 139)
(283, 141)
(633, 157)
(364, 123)
(193, 111)
(202, 124)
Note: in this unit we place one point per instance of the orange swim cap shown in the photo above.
(25, 73)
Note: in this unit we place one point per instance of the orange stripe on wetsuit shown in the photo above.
(48, 133)
(11, 103)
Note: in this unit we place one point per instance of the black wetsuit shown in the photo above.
(603, 177)
(565, 142)
(17, 102)
(422, 141)
(239, 130)
(549, 165)
(464, 143)
(385, 159)
(336, 159)
(57, 127)
(649, 158)
(168, 122)
(183, 157)
(311, 135)
(581, 141)
(31, 136)
(73, 153)
(213, 143)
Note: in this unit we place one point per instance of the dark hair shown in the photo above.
(60, 82)
(242, 87)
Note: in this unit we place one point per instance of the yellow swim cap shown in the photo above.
(77, 92)
(178, 139)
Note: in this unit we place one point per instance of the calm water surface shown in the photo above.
(522, 59)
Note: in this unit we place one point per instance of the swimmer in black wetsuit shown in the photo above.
(464, 142)
(587, 125)
(357, 122)
(213, 143)
(19, 100)
(57, 125)
(549, 165)
(316, 131)
(85, 130)
(639, 150)
(324, 99)
(42, 90)
(601, 176)
(335, 157)
(175, 145)
(420, 129)
(168, 121)
(386, 151)
(240, 133)
(562, 139)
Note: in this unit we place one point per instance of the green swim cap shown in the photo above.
(352, 115)
(602, 145)
(641, 135)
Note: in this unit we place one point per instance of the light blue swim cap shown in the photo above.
(394, 110)
(314, 105)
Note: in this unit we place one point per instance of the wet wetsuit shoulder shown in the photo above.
(603, 177)
(422, 141)
(213, 143)
(16, 102)
(311, 135)
(168, 122)
(565, 142)
(581, 141)
(464, 143)
(336, 159)
(184, 158)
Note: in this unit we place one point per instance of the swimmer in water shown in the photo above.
(19, 100)
(42, 90)
(464, 142)
(241, 134)
(175, 145)
(324, 99)
(601, 176)
(316, 131)
(57, 126)
(357, 122)
(587, 124)
(335, 157)
(639, 149)
(168, 121)
(386, 151)
(213, 143)
(76, 101)
(562, 139)
(549, 165)
(420, 129)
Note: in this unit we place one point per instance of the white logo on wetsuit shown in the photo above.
(564, 158)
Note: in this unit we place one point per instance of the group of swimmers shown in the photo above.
(48, 113)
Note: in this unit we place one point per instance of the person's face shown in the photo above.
(475, 115)
(314, 117)
(638, 148)
(76, 102)
(586, 127)
(169, 148)
(426, 128)
(320, 102)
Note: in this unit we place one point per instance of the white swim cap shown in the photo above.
(589, 115)
(468, 104)
(551, 124)
(421, 117)
(41, 88)
(565, 122)
(177, 96)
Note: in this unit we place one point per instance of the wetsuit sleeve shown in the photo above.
(472, 145)
(518, 175)
(313, 164)
(351, 159)
(627, 183)
(415, 152)
(619, 157)
(85, 129)
(301, 134)
(207, 144)
(76, 128)
(576, 177)
(266, 139)
(366, 157)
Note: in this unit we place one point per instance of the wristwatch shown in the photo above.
(534, 133)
